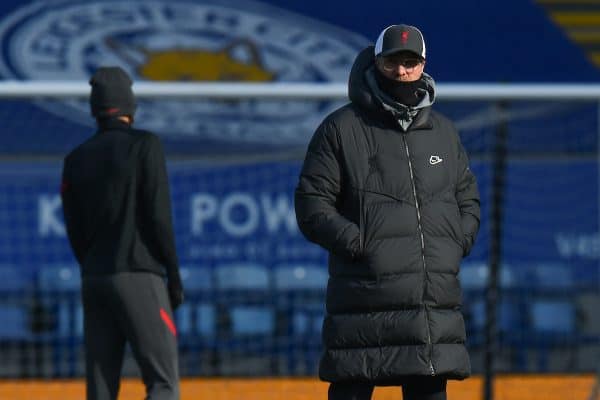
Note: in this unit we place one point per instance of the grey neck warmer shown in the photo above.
(406, 93)
(403, 113)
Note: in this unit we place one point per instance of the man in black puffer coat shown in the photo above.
(386, 188)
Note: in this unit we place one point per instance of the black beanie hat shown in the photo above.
(111, 93)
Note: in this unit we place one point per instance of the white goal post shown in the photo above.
(298, 90)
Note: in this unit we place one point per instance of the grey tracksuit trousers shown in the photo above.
(129, 307)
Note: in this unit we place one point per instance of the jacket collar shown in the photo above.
(108, 124)
(423, 120)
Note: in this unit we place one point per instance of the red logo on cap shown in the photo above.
(404, 37)
(112, 110)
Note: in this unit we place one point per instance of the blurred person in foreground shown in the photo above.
(117, 212)
(386, 188)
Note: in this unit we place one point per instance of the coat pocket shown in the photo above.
(458, 234)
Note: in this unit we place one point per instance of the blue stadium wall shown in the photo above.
(236, 211)
(228, 214)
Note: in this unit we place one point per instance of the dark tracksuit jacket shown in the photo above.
(397, 209)
(117, 212)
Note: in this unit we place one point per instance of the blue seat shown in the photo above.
(300, 276)
(60, 286)
(206, 320)
(13, 311)
(245, 296)
(62, 278)
(242, 276)
(183, 318)
(475, 276)
(553, 276)
(196, 319)
(308, 321)
(307, 312)
(509, 324)
(14, 291)
(196, 316)
(196, 278)
(252, 320)
(553, 317)
(301, 300)
(554, 325)
(509, 317)
(14, 323)
(474, 279)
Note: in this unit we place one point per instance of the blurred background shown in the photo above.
(254, 285)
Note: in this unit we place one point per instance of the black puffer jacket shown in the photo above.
(397, 211)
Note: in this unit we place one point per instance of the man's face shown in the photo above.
(404, 66)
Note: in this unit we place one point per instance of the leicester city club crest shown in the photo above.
(189, 41)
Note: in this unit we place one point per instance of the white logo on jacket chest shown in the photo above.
(435, 160)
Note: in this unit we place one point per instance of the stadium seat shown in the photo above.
(301, 301)
(196, 316)
(553, 317)
(475, 276)
(552, 276)
(242, 276)
(554, 326)
(244, 294)
(304, 285)
(196, 278)
(509, 326)
(509, 318)
(13, 303)
(243, 288)
(246, 324)
(60, 287)
(308, 321)
(252, 320)
(59, 278)
(300, 276)
(15, 323)
(183, 318)
(206, 320)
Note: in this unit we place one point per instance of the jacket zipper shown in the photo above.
(420, 228)
(361, 228)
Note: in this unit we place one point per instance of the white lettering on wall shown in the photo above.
(49, 216)
(242, 214)
(204, 208)
(280, 212)
(243, 227)
(578, 245)
(237, 214)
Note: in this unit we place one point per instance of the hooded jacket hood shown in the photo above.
(364, 92)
